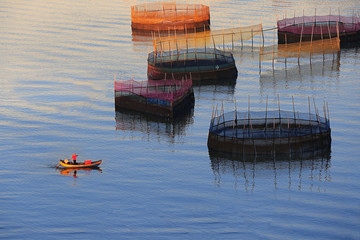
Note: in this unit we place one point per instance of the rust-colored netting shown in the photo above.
(163, 16)
(207, 38)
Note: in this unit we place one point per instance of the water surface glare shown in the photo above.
(158, 180)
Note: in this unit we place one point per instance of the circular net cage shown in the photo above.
(170, 17)
(200, 59)
(239, 132)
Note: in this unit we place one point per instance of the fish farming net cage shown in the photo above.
(257, 128)
(169, 16)
(207, 38)
(190, 58)
(329, 24)
(163, 92)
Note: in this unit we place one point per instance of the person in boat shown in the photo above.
(74, 156)
(66, 161)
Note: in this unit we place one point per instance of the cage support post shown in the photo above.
(309, 114)
(248, 114)
(205, 38)
(324, 112)
(273, 53)
(241, 36)
(252, 36)
(294, 109)
(279, 112)
(301, 35)
(266, 113)
(327, 108)
(260, 55)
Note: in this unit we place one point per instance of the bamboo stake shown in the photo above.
(252, 36)
(217, 116)
(273, 51)
(249, 111)
(260, 55)
(241, 36)
(311, 40)
(262, 34)
(274, 121)
(316, 110)
(309, 112)
(288, 120)
(301, 35)
(327, 106)
(205, 39)
(324, 112)
(294, 109)
(244, 119)
(279, 111)
(266, 112)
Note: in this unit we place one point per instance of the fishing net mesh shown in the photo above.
(270, 124)
(300, 49)
(319, 24)
(168, 90)
(168, 13)
(206, 38)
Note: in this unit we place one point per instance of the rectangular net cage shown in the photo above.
(163, 97)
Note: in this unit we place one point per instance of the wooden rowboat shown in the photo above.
(86, 164)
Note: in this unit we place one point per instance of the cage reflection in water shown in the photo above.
(164, 98)
(276, 131)
(302, 76)
(153, 126)
(164, 17)
(295, 169)
(205, 65)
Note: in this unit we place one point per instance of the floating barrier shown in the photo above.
(170, 17)
(268, 131)
(165, 98)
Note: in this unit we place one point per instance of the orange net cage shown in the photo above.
(169, 16)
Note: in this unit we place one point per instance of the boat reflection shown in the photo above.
(75, 172)
(292, 170)
(150, 125)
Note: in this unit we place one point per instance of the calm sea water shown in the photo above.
(158, 181)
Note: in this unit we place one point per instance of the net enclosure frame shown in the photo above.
(204, 64)
(164, 98)
(310, 28)
(267, 131)
(164, 17)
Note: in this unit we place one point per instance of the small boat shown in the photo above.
(86, 164)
